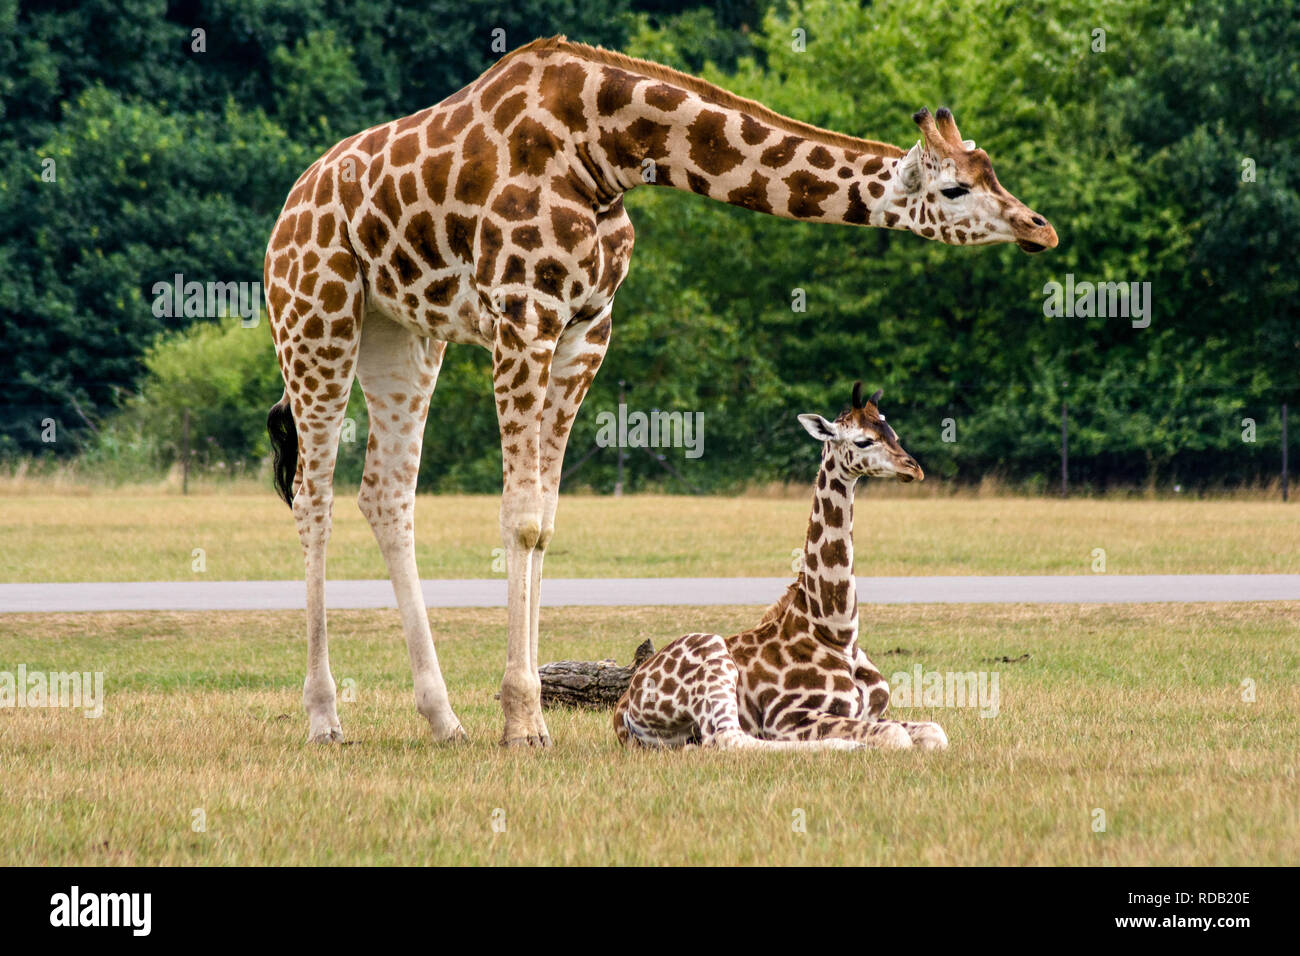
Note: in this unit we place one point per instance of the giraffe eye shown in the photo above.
(955, 192)
(864, 442)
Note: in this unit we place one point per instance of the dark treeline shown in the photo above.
(1162, 139)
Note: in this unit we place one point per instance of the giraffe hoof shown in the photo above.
(457, 736)
(892, 737)
(928, 737)
(331, 736)
(532, 740)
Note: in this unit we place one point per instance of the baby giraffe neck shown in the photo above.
(827, 578)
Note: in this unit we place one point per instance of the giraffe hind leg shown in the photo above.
(317, 348)
(664, 707)
(313, 504)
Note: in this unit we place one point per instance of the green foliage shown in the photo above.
(692, 38)
(961, 334)
(173, 155)
(1169, 157)
(139, 195)
(317, 85)
(210, 385)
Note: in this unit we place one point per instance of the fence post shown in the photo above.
(1284, 450)
(618, 482)
(185, 453)
(1065, 453)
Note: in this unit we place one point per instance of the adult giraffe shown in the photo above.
(496, 218)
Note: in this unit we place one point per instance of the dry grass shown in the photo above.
(153, 537)
(1136, 710)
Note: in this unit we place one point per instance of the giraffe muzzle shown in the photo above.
(910, 471)
(1037, 234)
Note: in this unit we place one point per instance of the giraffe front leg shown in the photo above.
(578, 356)
(398, 371)
(521, 365)
(900, 734)
(815, 725)
(925, 735)
(874, 690)
(521, 688)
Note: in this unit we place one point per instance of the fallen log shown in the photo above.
(594, 684)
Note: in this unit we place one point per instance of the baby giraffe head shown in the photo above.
(950, 183)
(860, 442)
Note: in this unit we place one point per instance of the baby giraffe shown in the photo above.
(799, 680)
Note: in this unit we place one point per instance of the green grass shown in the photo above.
(1136, 710)
(123, 537)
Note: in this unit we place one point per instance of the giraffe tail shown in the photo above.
(284, 447)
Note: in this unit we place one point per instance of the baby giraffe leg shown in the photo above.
(875, 698)
(687, 693)
(815, 725)
(925, 735)
(716, 711)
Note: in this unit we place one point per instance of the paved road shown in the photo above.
(595, 592)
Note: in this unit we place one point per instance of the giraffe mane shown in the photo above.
(706, 90)
(779, 608)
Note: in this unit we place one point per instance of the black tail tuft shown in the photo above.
(284, 447)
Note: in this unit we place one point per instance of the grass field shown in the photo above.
(121, 537)
(1134, 710)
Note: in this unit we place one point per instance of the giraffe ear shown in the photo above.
(909, 169)
(818, 427)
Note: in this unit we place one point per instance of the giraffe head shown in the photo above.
(861, 442)
(959, 186)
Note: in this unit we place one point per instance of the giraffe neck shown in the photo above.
(663, 130)
(827, 581)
